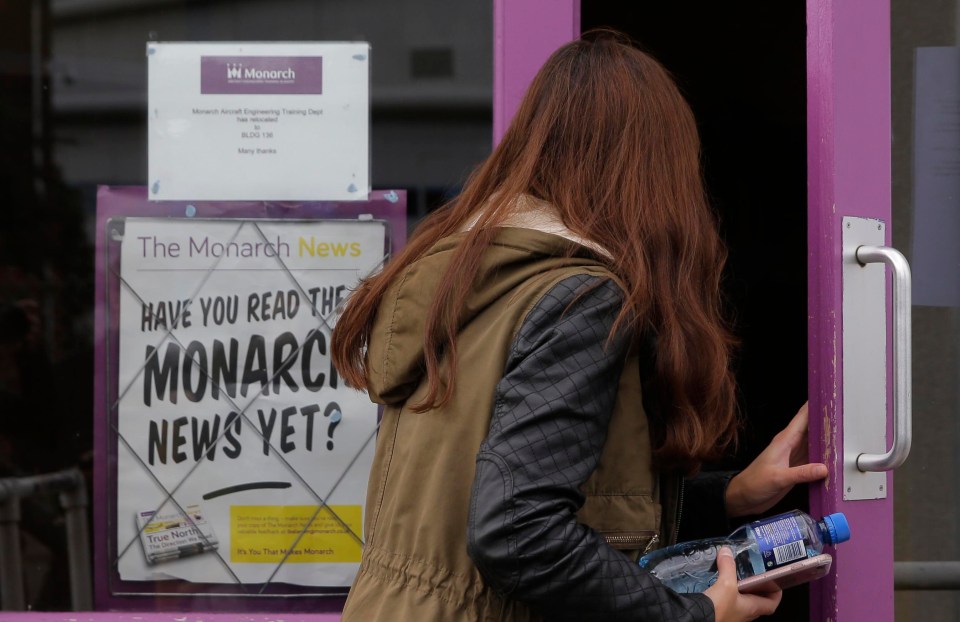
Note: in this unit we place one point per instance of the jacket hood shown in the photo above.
(395, 354)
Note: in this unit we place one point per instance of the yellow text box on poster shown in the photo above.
(264, 534)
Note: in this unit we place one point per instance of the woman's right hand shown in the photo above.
(728, 603)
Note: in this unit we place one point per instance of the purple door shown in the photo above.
(848, 155)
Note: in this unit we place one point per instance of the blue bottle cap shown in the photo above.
(838, 527)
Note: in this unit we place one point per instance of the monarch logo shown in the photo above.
(261, 74)
(236, 71)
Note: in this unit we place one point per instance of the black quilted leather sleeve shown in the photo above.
(553, 407)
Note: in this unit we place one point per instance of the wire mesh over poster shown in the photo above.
(231, 460)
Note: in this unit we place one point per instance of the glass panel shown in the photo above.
(926, 227)
(73, 116)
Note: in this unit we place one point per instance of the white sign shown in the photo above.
(242, 456)
(258, 121)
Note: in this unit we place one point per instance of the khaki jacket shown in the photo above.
(416, 565)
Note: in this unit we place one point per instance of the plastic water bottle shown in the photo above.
(758, 547)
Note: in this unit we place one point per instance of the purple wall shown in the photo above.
(848, 155)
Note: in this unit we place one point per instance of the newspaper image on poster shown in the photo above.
(242, 457)
(175, 534)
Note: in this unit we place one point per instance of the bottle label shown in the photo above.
(780, 540)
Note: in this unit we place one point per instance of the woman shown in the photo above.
(518, 473)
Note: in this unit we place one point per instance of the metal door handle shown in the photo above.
(902, 358)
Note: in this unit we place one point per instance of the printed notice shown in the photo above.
(258, 121)
(241, 455)
(263, 534)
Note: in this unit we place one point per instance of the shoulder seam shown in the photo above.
(549, 285)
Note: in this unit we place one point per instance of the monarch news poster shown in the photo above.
(241, 455)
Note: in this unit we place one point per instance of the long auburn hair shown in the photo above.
(603, 135)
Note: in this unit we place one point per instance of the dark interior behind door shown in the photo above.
(742, 68)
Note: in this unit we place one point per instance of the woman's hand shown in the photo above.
(729, 605)
(781, 466)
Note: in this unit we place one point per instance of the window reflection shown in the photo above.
(924, 39)
(73, 116)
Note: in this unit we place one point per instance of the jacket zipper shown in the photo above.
(649, 541)
(629, 539)
(676, 525)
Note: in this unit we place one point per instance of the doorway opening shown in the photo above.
(742, 68)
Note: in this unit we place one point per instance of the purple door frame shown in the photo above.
(525, 33)
(848, 159)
